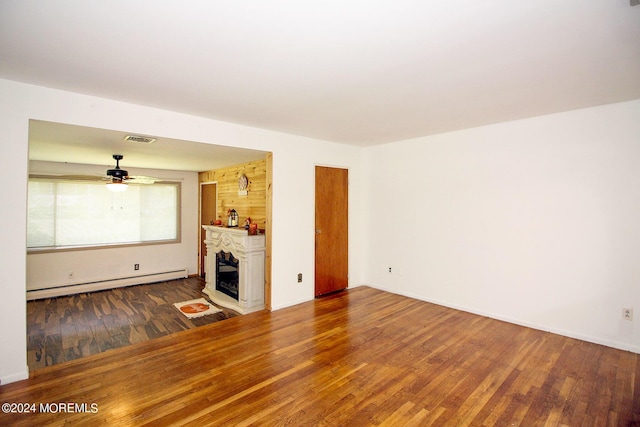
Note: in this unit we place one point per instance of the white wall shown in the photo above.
(293, 185)
(534, 221)
(52, 269)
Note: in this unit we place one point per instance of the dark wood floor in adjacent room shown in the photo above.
(69, 327)
(362, 357)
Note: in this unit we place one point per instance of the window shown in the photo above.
(69, 214)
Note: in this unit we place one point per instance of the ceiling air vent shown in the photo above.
(137, 138)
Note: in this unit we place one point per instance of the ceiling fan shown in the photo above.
(119, 178)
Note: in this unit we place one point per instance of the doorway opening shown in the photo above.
(208, 202)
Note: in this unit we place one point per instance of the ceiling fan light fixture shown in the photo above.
(117, 187)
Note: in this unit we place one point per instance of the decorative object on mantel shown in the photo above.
(232, 218)
(196, 308)
(253, 229)
(243, 183)
(247, 222)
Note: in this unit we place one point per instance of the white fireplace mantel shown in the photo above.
(250, 251)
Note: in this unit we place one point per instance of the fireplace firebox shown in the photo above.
(227, 278)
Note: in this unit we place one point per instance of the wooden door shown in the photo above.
(331, 249)
(208, 200)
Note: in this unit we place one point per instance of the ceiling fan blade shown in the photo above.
(70, 177)
(142, 179)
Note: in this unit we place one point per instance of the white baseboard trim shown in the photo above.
(290, 304)
(100, 285)
(15, 377)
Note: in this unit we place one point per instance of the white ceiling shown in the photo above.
(355, 72)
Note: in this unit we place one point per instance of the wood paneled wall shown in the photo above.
(253, 204)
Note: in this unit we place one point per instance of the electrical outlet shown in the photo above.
(71, 275)
(299, 277)
(136, 266)
(389, 269)
(627, 313)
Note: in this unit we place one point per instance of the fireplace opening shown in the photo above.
(227, 277)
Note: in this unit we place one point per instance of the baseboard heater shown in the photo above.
(100, 285)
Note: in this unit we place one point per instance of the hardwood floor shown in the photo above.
(358, 358)
(69, 327)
